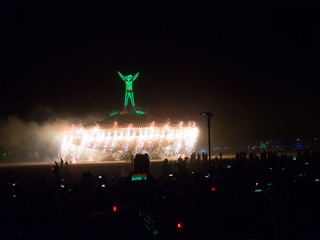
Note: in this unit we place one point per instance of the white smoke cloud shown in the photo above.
(23, 141)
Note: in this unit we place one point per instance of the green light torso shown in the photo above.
(129, 86)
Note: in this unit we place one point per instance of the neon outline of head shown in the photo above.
(129, 77)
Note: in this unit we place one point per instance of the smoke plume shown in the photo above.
(23, 141)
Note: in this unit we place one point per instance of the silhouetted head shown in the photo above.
(100, 226)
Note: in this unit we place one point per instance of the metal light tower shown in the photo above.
(210, 115)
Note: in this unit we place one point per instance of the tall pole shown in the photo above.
(209, 142)
(209, 115)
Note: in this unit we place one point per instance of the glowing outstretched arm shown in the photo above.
(122, 77)
(135, 76)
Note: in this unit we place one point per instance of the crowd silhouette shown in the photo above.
(265, 196)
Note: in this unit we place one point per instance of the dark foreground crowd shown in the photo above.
(266, 196)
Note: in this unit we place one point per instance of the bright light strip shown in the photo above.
(97, 144)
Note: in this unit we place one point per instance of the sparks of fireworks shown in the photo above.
(94, 143)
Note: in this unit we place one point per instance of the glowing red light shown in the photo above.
(52, 169)
(212, 189)
(114, 208)
(179, 225)
(295, 181)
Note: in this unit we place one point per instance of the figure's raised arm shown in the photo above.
(135, 76)
(122, 77)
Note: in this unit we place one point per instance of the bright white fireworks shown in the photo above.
(82, 144)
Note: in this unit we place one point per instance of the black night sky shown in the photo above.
(254, 64)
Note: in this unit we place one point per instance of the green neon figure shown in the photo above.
(129, 92)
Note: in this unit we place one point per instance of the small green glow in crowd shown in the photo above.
(4, 154)
(139, 112)
(139, 176)
(148, 222)
(113, 113)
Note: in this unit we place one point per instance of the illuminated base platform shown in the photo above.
(124, 119)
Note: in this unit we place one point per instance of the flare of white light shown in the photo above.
(98, 144)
